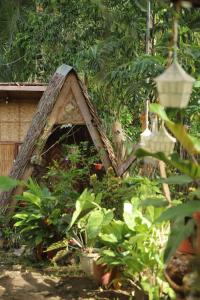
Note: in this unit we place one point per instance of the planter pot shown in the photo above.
(176, 272)
(87, 261)
(189, 246)
(104, 276)
(98, 167)
(186, 247)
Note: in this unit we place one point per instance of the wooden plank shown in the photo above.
(127, 163)
(7, 156)
(23, 88)
(163, 174)
(88, 120)
(61, 102)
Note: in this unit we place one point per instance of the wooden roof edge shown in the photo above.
(97, 122)
(14, 83)
(22, 88)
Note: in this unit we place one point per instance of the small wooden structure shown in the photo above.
(65, 101)
(18, 103)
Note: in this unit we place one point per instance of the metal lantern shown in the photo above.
(160, 141)
(174, 86)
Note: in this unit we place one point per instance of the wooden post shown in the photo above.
(166, 190)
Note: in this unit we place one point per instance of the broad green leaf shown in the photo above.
(195, 194)
(35, 216)
(190, 143)
(185, 166)
(7, 183)
(179, 232)
(114, 232)
(31, 198)
(86, 201)
(176, 179)
(38, 239)
(159, 110)
(181, 210)
(156, 202)
(197, 84)
(108, 216)
(20, 216)
(109, 237)
(159, 155)
(109, 253)
(94, 224)
(19, 223)
(129, 215)
(29, 228)
(58, 245)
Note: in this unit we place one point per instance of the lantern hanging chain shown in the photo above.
(148, 28)
(148, 47)
(175, 38)
(147, 115)
(175, 29)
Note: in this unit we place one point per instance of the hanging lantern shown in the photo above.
(174, 86)
(144, 138)
(160, 141)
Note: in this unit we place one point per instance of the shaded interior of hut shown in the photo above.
(68, 149)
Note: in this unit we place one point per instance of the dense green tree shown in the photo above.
(105, 41)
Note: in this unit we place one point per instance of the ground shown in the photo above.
(19, 280)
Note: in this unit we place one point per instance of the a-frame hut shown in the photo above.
(65, 101)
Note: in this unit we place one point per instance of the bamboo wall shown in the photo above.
(15, 119)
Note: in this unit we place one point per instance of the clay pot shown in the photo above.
(186, 247)
(189, 246)
(104, 275)
(98, 166)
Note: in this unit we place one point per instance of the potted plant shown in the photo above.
(87, 221)
(98, 166)
(89, 218)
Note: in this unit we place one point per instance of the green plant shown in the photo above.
(42, 219)
(86, 223)
(116, 190)
(135, 244)
(191, 170)
(68, 177)
(132, 242)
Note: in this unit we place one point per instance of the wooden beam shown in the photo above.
(163, 174)
(23, 88)
(81, 102)
(127, 163)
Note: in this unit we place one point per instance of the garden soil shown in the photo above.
(22, 281)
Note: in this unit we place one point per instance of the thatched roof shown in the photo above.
(64, 81)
